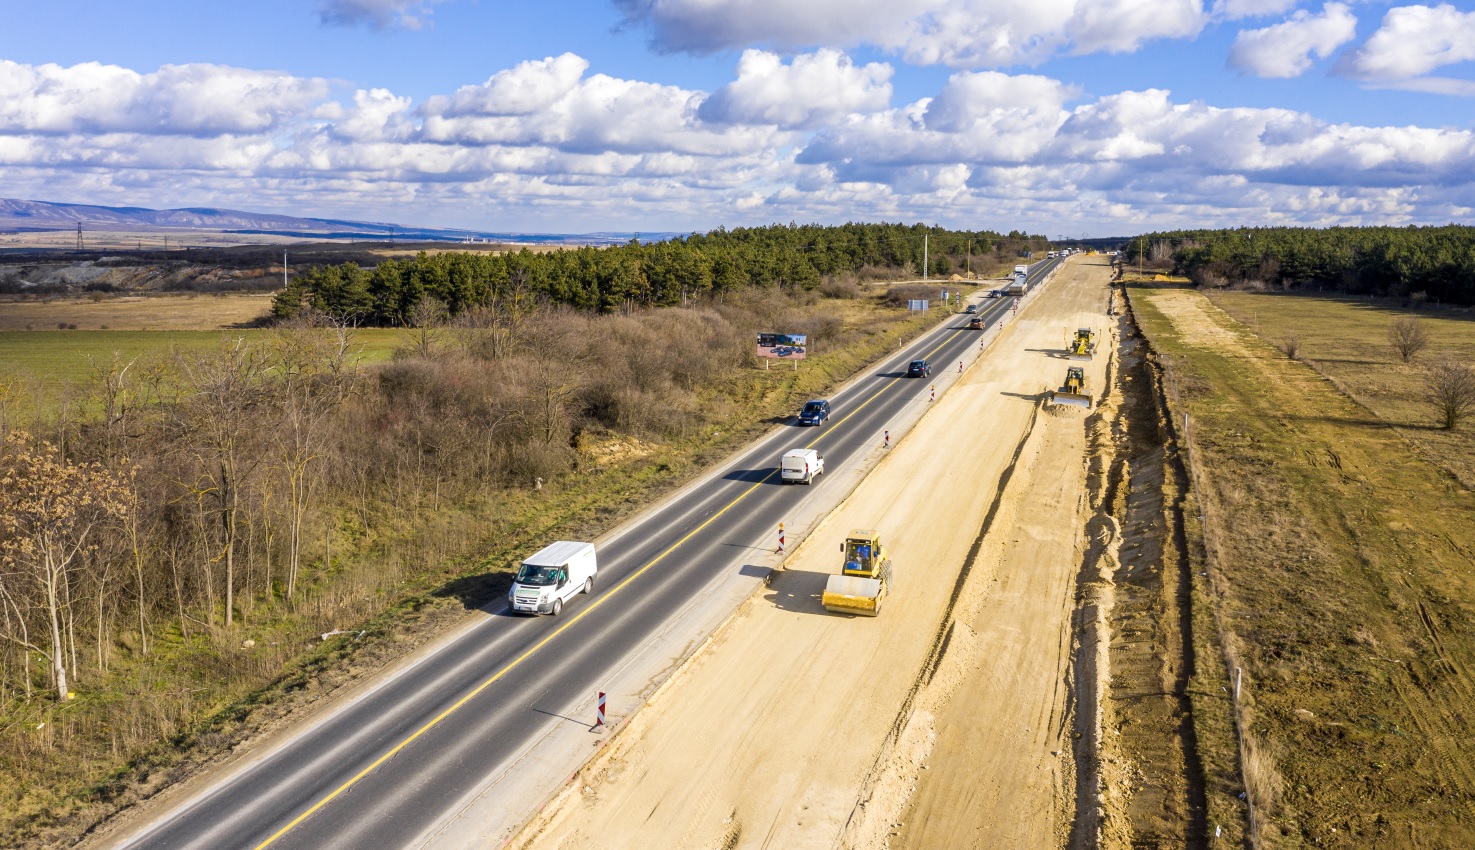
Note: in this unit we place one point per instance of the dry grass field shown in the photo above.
(1346, 340)
(134, 313)
(1339, 560)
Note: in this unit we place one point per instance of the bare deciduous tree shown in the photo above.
(49, 508)
(1450, 392)
(1408, 336)
(1291, 345)
(217, 424)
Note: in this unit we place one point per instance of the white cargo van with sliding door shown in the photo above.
(550, 578)
(801, 465)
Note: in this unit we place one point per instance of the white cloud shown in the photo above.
(814, 89)
(548, 145)
(957, 33)
(551, 103)
(1412, 41)
(1285, 49)
(522, 90)
(377, 14)
(176, 99)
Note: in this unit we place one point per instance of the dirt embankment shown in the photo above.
(1143, 774)
(944, 722)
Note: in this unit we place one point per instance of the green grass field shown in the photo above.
(52, 359)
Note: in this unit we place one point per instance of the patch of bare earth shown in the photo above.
(1150, 783)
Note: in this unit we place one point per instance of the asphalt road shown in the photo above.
(381, 771)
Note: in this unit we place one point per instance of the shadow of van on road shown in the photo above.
(753, 476)
(480, 592)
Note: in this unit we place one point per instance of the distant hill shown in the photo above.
(18, 215)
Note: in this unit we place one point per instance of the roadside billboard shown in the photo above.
(917, 304)
(783, 346)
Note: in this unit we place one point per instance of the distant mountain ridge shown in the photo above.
(21, 215)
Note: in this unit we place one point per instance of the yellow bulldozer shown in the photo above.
(1074, 392)
(1083, 347)
(864, 579)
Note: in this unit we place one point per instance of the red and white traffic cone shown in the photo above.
(599, 712)
(781, 538)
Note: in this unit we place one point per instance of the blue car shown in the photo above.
(815, 412)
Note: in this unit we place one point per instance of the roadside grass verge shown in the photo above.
(1346, 340)
(1342, 580)
(397, 578)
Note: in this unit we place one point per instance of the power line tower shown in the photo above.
(79, 236)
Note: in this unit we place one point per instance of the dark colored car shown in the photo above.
(815, 412)
(972, 308)
(919, 369)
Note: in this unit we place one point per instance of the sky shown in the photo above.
(1068, 118)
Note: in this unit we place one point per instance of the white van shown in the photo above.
(551, 577)
(801, 465)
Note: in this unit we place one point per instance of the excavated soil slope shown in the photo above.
(799, 728)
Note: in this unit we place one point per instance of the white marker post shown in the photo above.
(781, 538)
(599, 712)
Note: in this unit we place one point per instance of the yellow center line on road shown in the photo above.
(862, 405)
(560, 630)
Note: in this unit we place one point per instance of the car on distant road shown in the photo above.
(918, 369)
(815, 412)
(972, 308)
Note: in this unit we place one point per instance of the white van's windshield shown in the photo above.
(532, 574)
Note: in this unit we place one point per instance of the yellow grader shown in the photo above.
(863, 580)
(1074, 392)
(1083, 347)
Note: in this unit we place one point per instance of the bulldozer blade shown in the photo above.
(1074, 355)
(1071, 399)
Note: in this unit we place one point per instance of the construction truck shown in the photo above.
(1074, 392)
(1083, 347)
(863, 580)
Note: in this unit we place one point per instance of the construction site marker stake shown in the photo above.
(887, 443)
(960, 367)
(934, 393)
(599, 712)
(781, 537)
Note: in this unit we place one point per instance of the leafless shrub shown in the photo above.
(1450, 391)
(899, 295)
(841, 286)
(1291, 345)
(1408, 336)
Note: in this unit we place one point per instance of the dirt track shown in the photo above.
(797, 728)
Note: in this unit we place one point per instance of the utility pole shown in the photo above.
(79, 236)
(924, 256)
(970, 258)
(284, 268)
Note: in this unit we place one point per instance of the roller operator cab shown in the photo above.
(550, 579)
